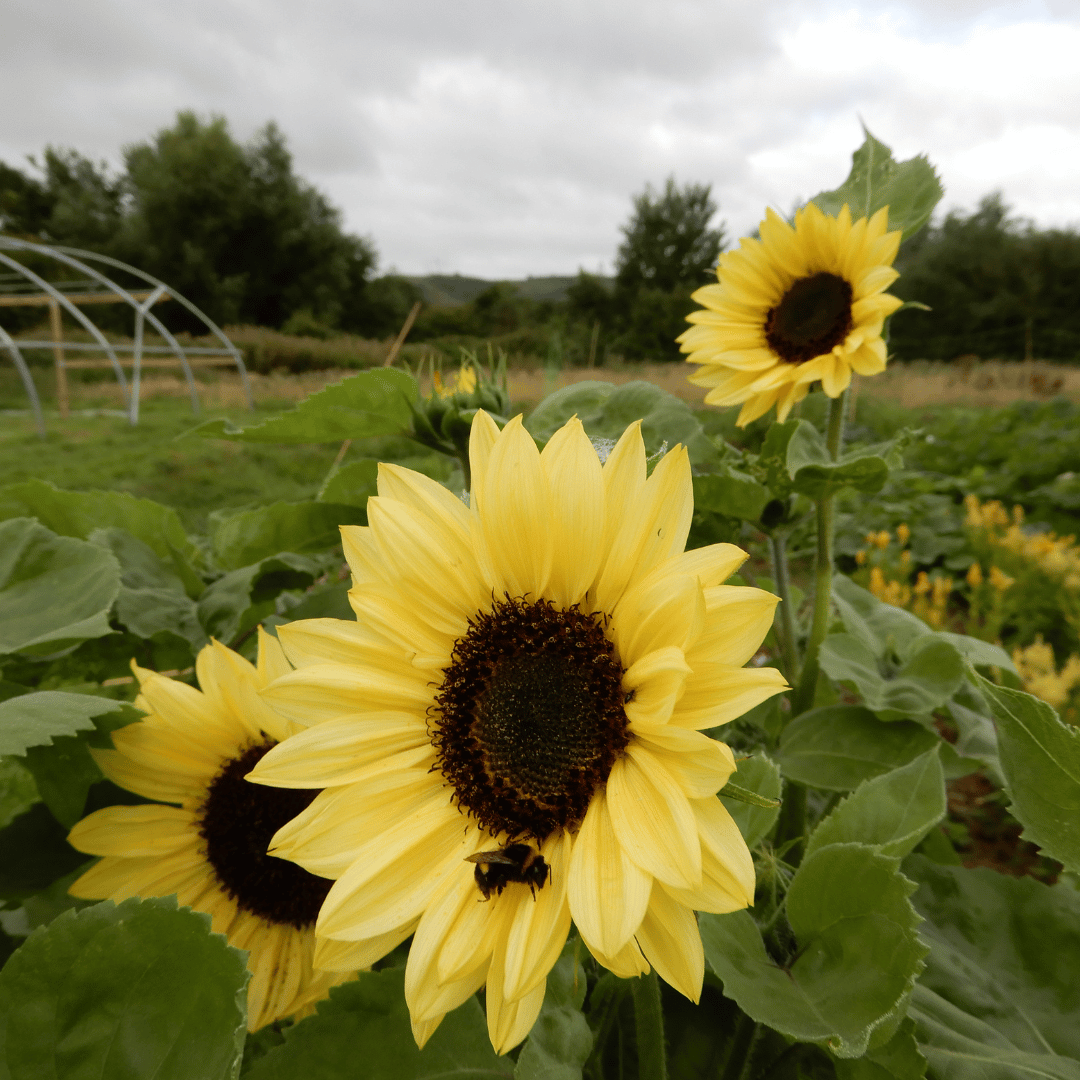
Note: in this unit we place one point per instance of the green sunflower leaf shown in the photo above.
(893, 812)
(64, 773)
(37, 719)
(135, 990)
(242, 537)
(607, 410)
(233, 604)
(55, 591)
(152, 599)
(363, 1029)
(839, 746)
(560, 1041)
(731, 493)
(34, 852)
(18, 792)
(910, 189)
(374, 402)
(1001, 990)
(79, 513)
(898, 1059)
(760, 775)
(932, 673)
(1040, 757)
(857, 953)
(351, 485)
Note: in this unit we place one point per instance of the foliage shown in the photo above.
(869, 953)
(668, 249)
(997, 287)
(230, 226)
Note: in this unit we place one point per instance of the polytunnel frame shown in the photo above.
(75, 258)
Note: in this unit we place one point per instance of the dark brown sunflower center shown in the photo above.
(238, 820)
(530, 717)
(812, 317)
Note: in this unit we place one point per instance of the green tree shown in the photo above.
(76, 202)
(998, 287)
(235, 230)
(669, 247)
(668, 243)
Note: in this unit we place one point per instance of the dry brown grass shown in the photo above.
(990, 384)
(969, 381)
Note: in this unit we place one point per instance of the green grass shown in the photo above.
(153, 460)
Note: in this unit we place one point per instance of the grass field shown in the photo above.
(96, 448)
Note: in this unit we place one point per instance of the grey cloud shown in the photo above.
(502, 138)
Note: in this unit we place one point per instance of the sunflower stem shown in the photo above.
(789, 645)
(803, 698)
(466, 471)
(742, 1043)
(649, 1017)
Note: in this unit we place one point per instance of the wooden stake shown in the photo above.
(58, 358)
(403, 333)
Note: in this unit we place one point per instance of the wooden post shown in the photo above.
(58, 358)
(403, 333)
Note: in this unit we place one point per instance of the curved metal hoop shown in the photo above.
(78, 260)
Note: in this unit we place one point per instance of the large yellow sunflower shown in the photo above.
(802, 303)
(508, 738)
(193, 749)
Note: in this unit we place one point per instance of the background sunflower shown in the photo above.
(804, 303)
(192, 749)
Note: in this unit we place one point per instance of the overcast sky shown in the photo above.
(505, 137)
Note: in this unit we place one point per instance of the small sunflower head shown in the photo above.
(803, 304)
(443, 420)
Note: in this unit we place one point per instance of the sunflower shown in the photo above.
(509, 737)
(803, 303)
(193, 749)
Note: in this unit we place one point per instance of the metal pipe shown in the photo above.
(28, 382)
(45, 287)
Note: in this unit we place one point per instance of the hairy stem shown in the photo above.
(649, 1015)
(741, 1044)
(803, 698)
(789, 645)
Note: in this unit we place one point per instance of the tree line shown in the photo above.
(232, 227)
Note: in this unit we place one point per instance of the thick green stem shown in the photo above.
(649, 1015)
(789, 644)
(803, 698)
(742, 1042)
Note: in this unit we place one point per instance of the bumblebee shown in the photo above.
(515, 862)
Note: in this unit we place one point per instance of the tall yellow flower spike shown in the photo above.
(804, 303)
(509, 737)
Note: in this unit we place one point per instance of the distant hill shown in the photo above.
(450, 289)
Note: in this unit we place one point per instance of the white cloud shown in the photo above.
(504, 138)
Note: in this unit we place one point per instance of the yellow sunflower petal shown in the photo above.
(393, 881)
(653, 820)
(339, 751)
(577, 510)
(135, 830)
(669, 938)
(515, 527)
(540, 924)
(737, 618)
(654, 684)
(719, 693)
(698, 764)
(509, 1021)
(607, 891)
(348, 956)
